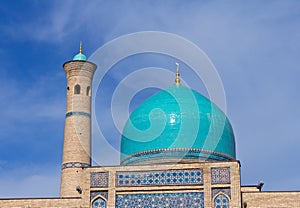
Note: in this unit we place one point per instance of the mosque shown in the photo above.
(192, 165)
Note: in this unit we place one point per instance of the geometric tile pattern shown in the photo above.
(220, 175)
(168, 200)
(75, 165)
(221, 201)
(216, 191)
(160, 177)
(94, 194)
(99, 179)
(99, 203)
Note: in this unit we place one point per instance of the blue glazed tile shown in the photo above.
(216, 191)
(99, 203)
(163, 177)
(102, 194)
(221, 201)
(99, 179)
(168, 200)
(220, 175)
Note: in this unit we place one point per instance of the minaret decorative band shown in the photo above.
(77, 113)
(75, 165)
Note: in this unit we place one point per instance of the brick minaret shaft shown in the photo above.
(77, 134)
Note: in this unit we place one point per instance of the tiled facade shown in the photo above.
(160, 178)
(149, 200)
(100, 189)
(220, 175)
(161, 185)
(99, 179)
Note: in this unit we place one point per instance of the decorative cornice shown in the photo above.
(175, 153)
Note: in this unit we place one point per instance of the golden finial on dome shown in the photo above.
(177, 80)
(80, 47)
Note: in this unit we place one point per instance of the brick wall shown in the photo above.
(271, 199)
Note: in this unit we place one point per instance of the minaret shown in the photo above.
(77, 135)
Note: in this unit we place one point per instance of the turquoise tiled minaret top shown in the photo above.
(174, 124)
(80, 56)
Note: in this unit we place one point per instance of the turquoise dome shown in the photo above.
(177, 124)
(79, 57)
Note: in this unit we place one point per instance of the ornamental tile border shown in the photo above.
(99, 179)
(94, 194)
(179, 153)
(77, 113)
(167, 200)
(75, 165)
(216, 191)
(160, 177)
(220, 175)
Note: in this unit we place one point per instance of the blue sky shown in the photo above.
(254, 46)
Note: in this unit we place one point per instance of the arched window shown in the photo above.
(77, 89)
(221, 201)
(99, 203)
(88, 89)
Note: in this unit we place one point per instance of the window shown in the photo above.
(221, 201)
(88, 89)
(77, 89)
(99, 203)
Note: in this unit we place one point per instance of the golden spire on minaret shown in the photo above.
(177, 80)
(80, 47)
